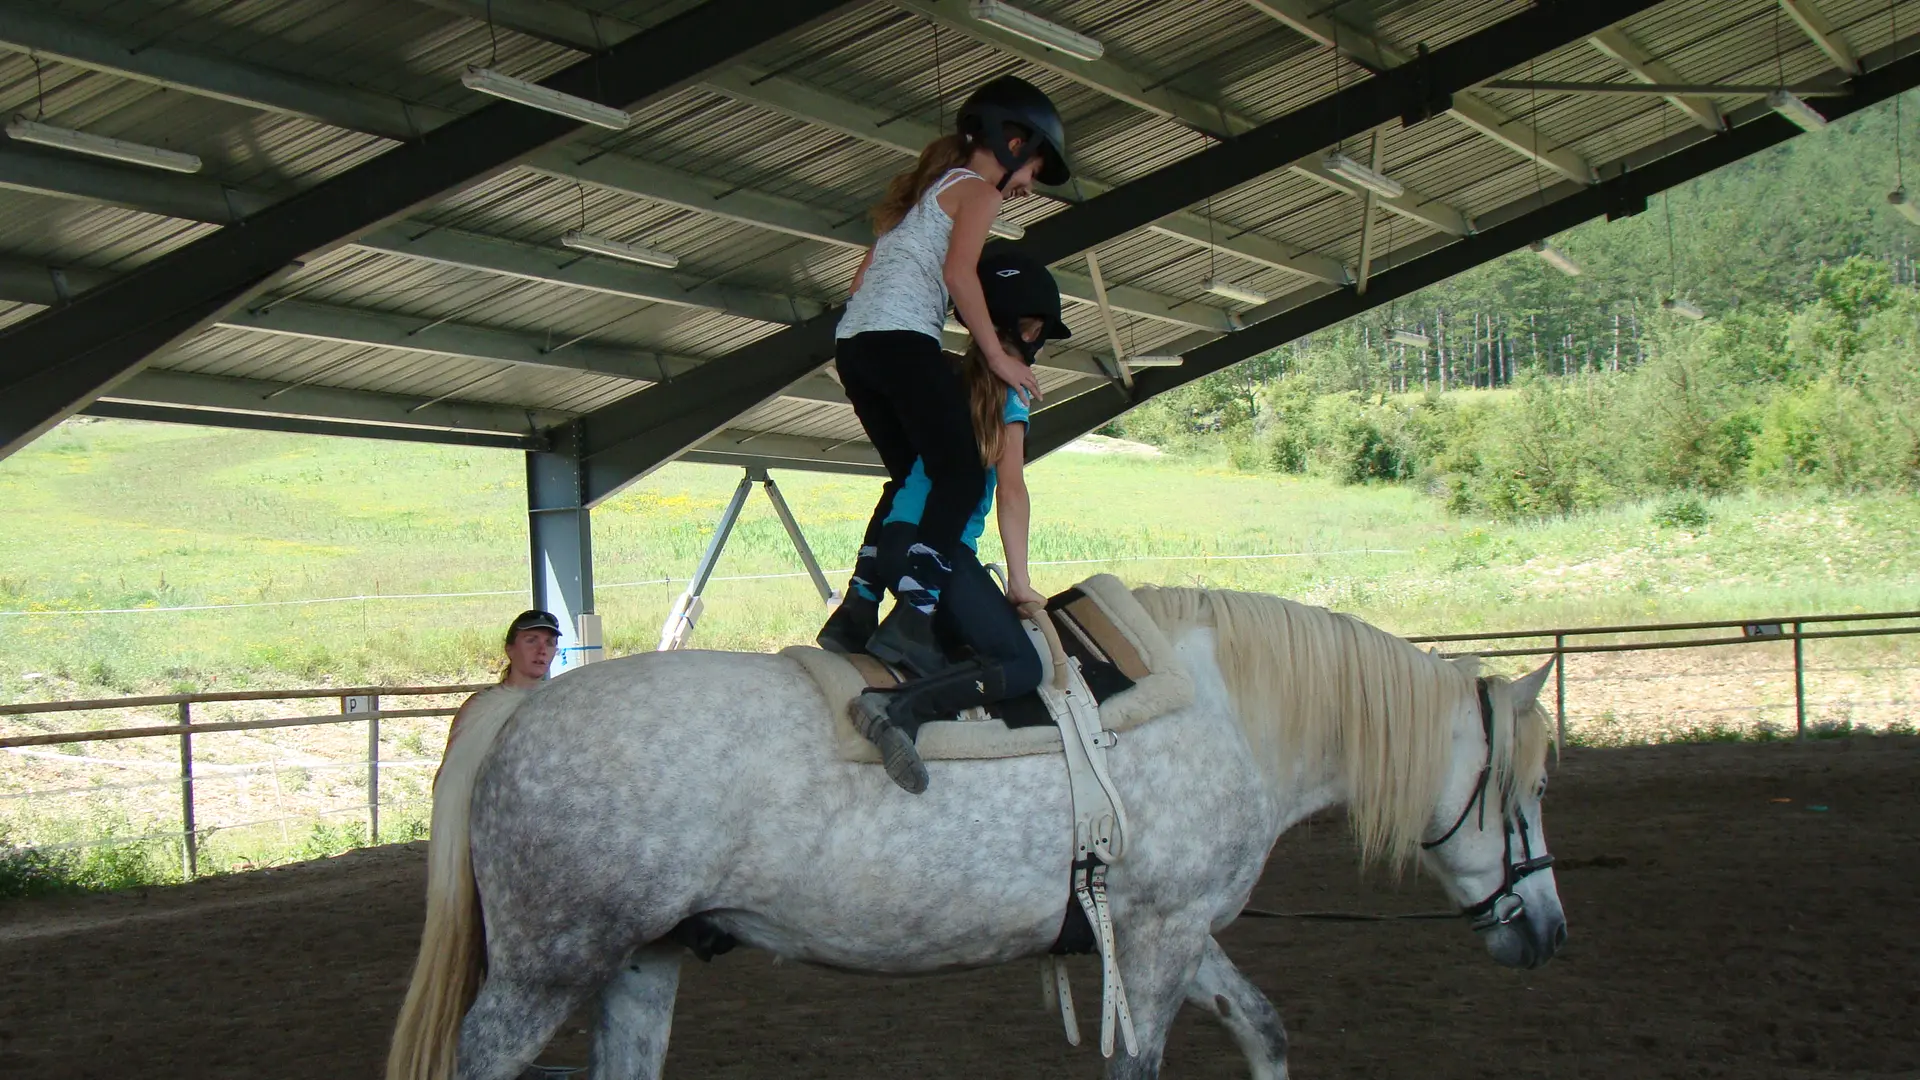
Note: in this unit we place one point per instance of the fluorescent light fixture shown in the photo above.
(1686, 309)
(1411, 337)
(1555, 258)
(1236, 292)
(1897, 198)
(614, 249)
(1038, 30)
(1796, 110)
(80, 142)
(1155, 360)
(535, 96)
(1007, 230)
(1352, 171)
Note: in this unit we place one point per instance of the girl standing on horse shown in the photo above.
(910, 399)
(1024, 303)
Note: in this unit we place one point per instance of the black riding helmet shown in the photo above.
(1008, 100)
(1019, 286)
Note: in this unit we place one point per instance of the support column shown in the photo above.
(560, 530)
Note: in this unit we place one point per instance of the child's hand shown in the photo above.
(1012, 372)
(1020, 593)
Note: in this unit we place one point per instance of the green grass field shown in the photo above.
(111, 514)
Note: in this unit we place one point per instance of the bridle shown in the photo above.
(1503, 905)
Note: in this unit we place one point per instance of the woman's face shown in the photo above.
(531, 653)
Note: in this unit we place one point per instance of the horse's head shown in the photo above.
(1487, 842)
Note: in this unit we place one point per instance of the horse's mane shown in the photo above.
(1313, 688)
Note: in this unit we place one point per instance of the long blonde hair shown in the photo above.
(987, 399)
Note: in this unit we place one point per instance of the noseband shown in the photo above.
(1503, 905)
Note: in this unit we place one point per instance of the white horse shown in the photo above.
(628, 797)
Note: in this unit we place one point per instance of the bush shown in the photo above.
(1682, 511)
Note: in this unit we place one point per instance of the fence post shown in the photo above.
(1560, 688)
(373, 771)
(1799, 686)
(189, 846)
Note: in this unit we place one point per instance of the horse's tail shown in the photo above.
(447, 974)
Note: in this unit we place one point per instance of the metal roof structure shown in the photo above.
(371, 248)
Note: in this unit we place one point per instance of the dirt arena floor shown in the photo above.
(1735, 911)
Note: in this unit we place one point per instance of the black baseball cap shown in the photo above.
(533, 619)
(1019, 286)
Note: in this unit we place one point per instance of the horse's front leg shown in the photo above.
(1157, 964)
(636, 1015)
(1219, 988)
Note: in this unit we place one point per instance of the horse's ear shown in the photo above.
(1526, 688)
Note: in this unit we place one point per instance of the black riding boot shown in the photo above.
(850, 625)
(892, 718)
(906, 640)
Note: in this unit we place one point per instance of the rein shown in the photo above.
(1497, 909)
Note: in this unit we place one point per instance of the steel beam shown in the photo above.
(1821, 30)
(303, 425)
(231, 80)
(1155, 96)
(629, 438)
(1625, 183)
(54, 363)
(1631, 55)
(26, 27)
(191, 391)
(560, 531)
(1359, 107)
(1380, 56)
(880, 127)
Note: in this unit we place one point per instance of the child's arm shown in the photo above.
(1015, 508)
(978, 202)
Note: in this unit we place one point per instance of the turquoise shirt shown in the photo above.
(911, 502)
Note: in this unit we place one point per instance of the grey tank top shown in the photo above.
(906, 287)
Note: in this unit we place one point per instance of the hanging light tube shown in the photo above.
(615, 249)
(1897, 198)
(1236, 292)
(1007, 230)
(1788, 105)
(1555, 258)
(1686, 309)
(80, 142)
(1411, 337)
(1352, 171)
(1155, 360)
(1026, 24)
(535, 96)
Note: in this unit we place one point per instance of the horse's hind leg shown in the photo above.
(511, 1021)
(636, 1014)
(1220, 989)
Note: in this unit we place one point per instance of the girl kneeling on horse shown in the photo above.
(911, 400)
(973, 615)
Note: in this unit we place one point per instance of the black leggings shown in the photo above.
(914, 404)
(975, 613)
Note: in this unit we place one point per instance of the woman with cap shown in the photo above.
(532, 639)
(912, 402)
(1024, 302)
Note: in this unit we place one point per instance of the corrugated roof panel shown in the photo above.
(70, 232)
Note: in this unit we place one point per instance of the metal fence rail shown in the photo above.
(1752, 631)
(357, 704)
(364, 703)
